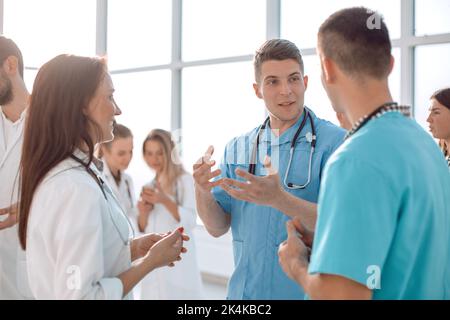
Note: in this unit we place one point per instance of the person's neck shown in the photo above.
(362, 101)
(447, 143)
(279, 126)
(114, 171)
(14, 109)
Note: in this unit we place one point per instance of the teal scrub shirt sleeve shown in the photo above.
(355, 223)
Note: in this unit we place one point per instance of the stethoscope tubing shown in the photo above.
(313, 140)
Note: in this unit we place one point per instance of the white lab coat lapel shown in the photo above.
(17, 137)
(109, 177)
(13, 276)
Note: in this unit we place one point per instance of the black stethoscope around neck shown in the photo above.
(131, 234)
(310, 137)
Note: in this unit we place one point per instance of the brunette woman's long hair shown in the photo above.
(56, 123)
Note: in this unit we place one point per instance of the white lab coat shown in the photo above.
(13, 280)
(182, 281)
(124, 192)
(76, 239)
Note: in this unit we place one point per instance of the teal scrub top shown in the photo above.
(384, 212)
(258, 230)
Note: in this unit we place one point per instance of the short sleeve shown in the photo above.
(357, 217)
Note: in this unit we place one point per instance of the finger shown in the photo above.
(200, 161)
(148, 192)
(207, 156)
(145, 196)
(300, 227)
(185, 237)
(7, 223)
(237, 194)
(203, 173)
(183, 250)
(291, 231)
(236, 184)
(306, 234)
(209, 152)
(246, 175)
(215, 183)
(210, 185)
(268, 165)
(171, 264)
(215, 173)
(5, 210)
(203, 169)
(174, 239)
(156, 237)
(298, 224)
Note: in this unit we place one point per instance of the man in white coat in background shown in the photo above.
(14, 99)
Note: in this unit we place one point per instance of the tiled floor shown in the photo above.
(214, 291)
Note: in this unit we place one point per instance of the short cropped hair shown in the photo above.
(357, 40)
(276, 49)
(7, 49)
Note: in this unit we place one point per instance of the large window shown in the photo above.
(219, 103)
(435, 58)
(217, 28)
(139, 33)
(45, 28)
(144, 98)
(301, 19)
(316, 97)
(431, 17)
(186, 65)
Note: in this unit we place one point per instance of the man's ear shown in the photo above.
(257, 90)
(328, 69)
(391, 64)
(305, 81)
(11, 65)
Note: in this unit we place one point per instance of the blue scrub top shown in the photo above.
(384, 212)
(258, 230)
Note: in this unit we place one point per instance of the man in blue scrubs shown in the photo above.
(253, 205)
(383, 228)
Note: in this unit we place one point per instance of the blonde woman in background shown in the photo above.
(168, 202)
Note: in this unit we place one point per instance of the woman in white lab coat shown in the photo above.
(168, 202)
(116, 156)
(77, 240)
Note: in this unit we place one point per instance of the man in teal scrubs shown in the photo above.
(253, 204)
(383, 228)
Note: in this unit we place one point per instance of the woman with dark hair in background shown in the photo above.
(76, 236)
(439, 120)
